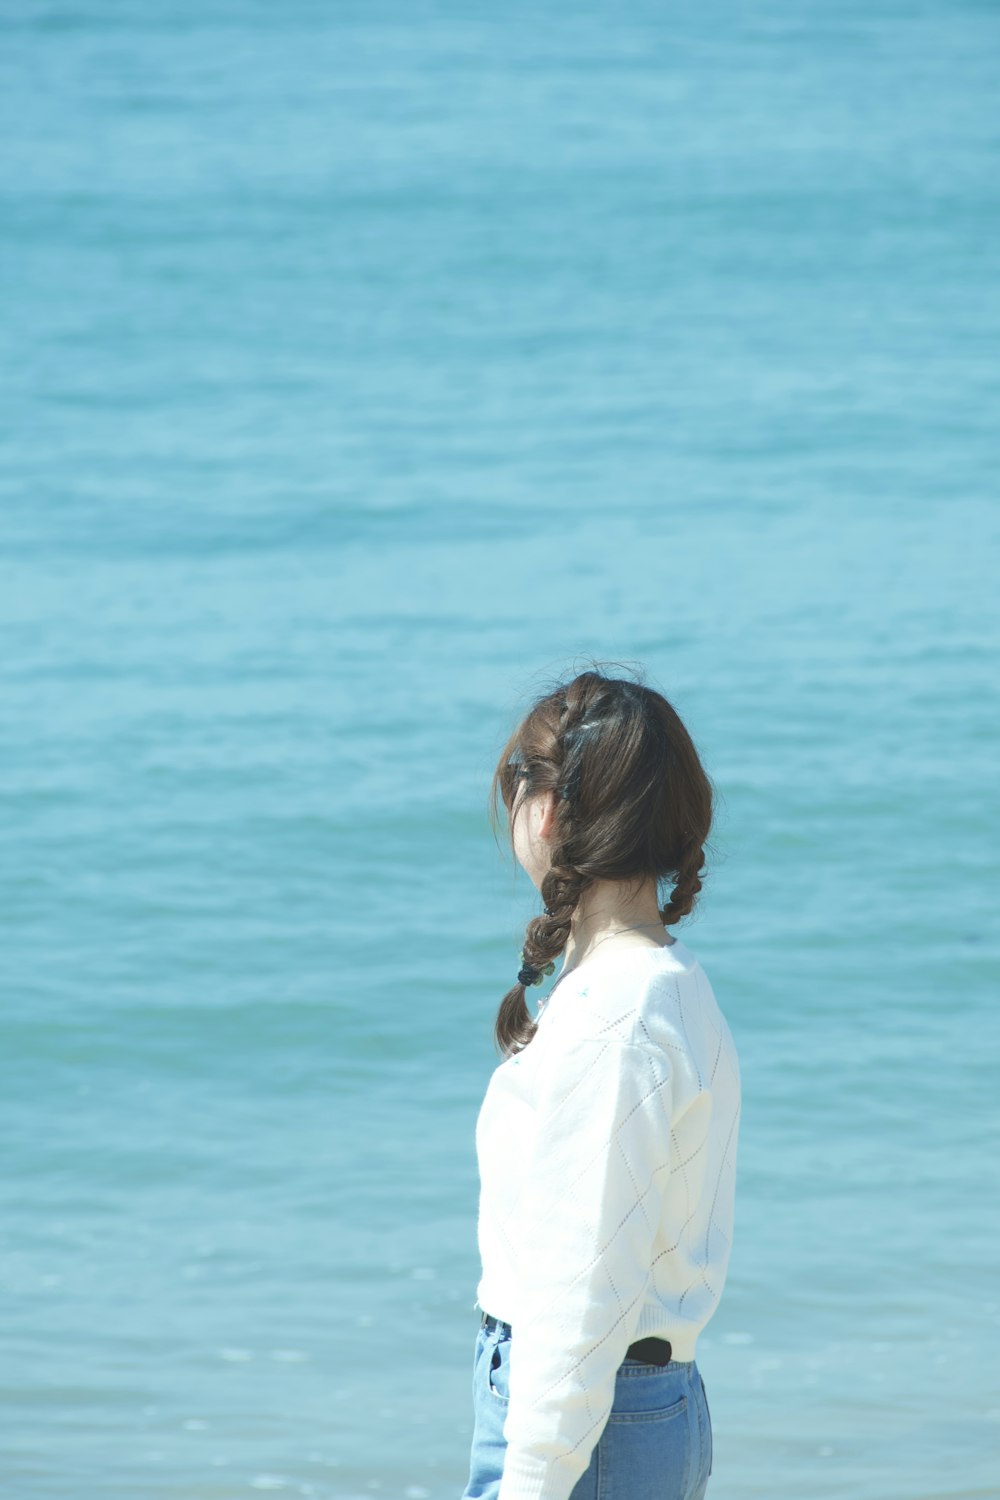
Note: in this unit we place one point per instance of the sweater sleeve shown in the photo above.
(582, 1232)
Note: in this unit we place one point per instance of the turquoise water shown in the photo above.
(366, 367)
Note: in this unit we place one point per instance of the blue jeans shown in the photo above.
(656, 1444)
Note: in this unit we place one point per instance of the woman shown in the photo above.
(607, 1137)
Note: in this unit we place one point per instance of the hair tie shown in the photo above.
(530, 973)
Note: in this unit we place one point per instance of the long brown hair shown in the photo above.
(632, 801)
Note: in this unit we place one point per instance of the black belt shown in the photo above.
(651, 1351)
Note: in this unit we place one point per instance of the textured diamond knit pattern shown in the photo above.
(607, 1158)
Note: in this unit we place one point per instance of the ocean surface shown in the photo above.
(367, 367)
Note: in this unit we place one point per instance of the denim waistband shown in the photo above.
(646, 1349)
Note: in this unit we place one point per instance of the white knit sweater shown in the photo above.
(607, 1158)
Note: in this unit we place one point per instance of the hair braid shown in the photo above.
(545, 937)
(686, 886)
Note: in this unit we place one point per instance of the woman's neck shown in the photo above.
(614, 914)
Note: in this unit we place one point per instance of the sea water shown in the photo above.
(368, 366)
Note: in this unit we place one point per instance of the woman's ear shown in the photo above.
(547, 821)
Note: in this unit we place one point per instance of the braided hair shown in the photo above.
(632, 801)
